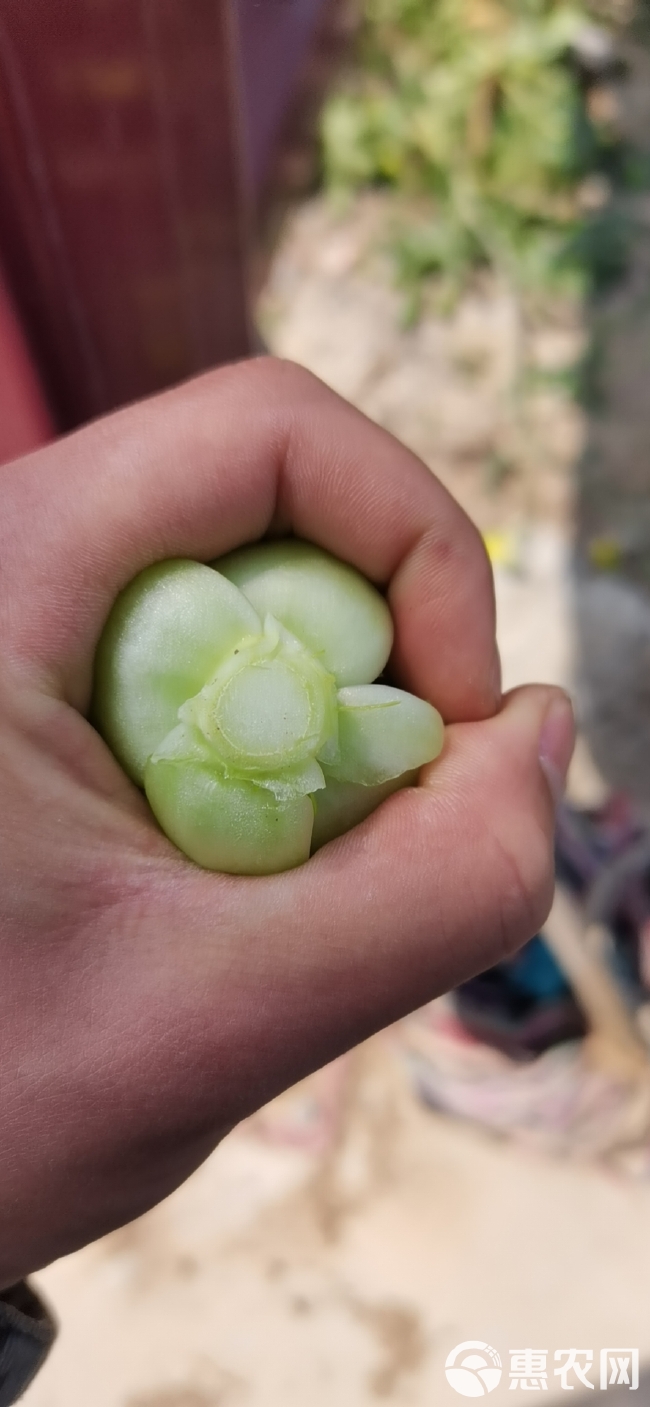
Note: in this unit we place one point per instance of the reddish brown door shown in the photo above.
(134, 138)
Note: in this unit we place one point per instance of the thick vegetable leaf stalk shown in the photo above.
(240, 697)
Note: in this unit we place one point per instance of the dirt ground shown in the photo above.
(339, 1245)
(479, 391)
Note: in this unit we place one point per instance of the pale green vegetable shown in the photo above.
(343, 805)
(269, 705)
(226, 823)
(336, 613)
(383, 732)
(165, 636)
(241, 699)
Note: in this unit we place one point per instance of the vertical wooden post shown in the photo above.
(123, 221)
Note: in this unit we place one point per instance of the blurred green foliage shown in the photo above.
(474, 104)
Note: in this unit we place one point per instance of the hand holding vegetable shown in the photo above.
(146, 1005)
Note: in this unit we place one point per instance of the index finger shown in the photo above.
(216, 463)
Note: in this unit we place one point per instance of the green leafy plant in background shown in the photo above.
(473, 104)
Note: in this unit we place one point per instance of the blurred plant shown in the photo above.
(473, 103)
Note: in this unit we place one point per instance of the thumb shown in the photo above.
(500, 783)
(443, 880)
(451, 876)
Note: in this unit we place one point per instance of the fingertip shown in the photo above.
(538, 730)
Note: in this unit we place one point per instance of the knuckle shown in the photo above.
(285, 375)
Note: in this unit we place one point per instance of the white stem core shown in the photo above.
(270, 706)
(265, 711)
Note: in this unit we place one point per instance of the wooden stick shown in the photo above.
(614, 1042)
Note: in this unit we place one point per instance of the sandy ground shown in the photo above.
(338, 1246)
(480, 392)
(346, 1273)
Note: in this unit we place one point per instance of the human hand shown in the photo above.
(146, 1006)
